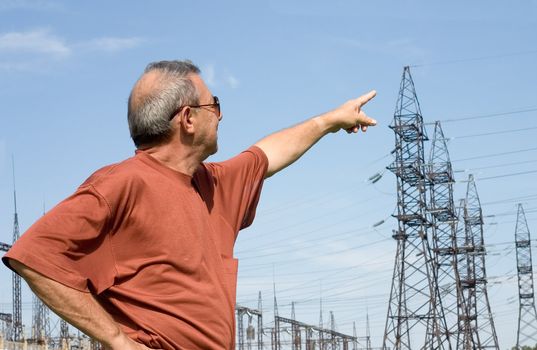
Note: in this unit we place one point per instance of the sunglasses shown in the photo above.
(215, 105)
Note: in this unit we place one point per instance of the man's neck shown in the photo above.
(180, 159)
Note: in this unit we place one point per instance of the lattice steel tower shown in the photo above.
(527, 315)
(41, 322)
(414, 308)
(17, 328)
(478, 325)
(444, 227)
(463, 248)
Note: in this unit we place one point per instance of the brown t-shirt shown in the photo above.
(154, 245)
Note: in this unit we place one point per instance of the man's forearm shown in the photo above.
(78, 308)
(286, 146)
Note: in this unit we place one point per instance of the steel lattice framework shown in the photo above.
(250, 330)
(17, 328)
(415, 308)
(476, 318)
(444, 228)
(64, 334)
(41, 322)
(527, 315)
(463, 248)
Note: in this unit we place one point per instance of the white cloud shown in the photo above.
(209, 75)
(213, 79)
(39, 41)
(232, 82)
(25, 50)
(111, 44)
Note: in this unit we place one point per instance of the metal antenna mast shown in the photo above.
(444, 227)
(480, 332)
(17, 330)
(527, 315)
(414, 307)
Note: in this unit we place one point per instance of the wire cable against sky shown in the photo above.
(496, 154)
(491, 115)
(506, 175)
(475, 59)
(493, 133)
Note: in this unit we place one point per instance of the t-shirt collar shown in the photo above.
(167, 171)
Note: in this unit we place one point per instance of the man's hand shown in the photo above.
(350, 116)
(80, 309)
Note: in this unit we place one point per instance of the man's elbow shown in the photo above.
(23, 270)
(15, 265)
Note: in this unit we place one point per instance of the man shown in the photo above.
(141, 255)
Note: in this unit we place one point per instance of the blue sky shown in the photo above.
(67, 68)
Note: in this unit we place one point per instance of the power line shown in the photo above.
(497, 166)
(491, 115)
(475, 59)
(512, 199)
(496, 154)
(507, 175)
(493, 133)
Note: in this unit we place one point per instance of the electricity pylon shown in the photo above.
(17, 328)
(444, 226)
(414, 308)
(527, 316)
(478, 325)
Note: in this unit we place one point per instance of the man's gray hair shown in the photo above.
(149, 113)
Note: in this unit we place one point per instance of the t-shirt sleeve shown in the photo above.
(238, 183)
(70, 243)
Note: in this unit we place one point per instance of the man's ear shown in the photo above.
(186, 119)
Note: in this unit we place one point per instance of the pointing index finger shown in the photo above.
(362, 100)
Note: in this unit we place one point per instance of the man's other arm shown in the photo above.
(286, 146)
(81, 309)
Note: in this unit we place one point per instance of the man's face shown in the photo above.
(208, 117)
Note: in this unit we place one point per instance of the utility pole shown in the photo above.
(444, 227)
(479, 331)
(527, 315)
(414, 308)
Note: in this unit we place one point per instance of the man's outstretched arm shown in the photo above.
(78, 308)
(286, 146)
